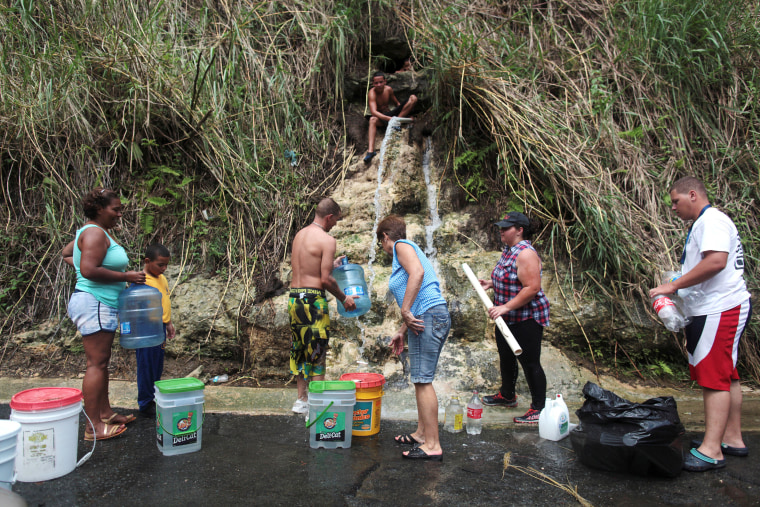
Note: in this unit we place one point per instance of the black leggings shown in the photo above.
(528, 334)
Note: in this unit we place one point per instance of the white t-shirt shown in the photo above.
(714, 231)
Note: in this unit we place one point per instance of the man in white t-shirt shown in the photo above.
(713, 263)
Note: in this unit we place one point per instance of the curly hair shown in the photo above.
(97, 199)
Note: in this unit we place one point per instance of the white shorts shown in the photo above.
(90, 315)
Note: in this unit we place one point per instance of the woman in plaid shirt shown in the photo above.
(516, 281)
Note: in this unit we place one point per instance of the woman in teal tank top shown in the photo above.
(100, 263)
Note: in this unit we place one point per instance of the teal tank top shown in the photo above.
(116, 260)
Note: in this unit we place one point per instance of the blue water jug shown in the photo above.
(350, 278)
(140, 317)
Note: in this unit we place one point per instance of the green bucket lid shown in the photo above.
(320, 386)
(179, 385)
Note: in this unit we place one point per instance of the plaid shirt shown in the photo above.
(506, 286)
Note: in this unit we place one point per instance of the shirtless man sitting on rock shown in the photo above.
(380, 98)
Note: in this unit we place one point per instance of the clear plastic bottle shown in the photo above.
(690, 295)
(454, 417)
(350, 278)
(220, 378)
(474, 415)
(669, 313)
(140, 317)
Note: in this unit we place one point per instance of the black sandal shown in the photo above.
(407, 439)
(418, 453)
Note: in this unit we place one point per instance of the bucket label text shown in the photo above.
(362, 416)
(185, 439)
(331, 427)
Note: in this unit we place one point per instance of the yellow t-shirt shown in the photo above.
(162, 285)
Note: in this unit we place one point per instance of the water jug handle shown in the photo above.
(310, 424)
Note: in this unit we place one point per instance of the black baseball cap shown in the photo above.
(513, 218)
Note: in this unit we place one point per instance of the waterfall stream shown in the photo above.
(432, 198)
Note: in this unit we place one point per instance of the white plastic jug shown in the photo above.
(554, 421)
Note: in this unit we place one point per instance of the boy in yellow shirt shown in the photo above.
(150, 360)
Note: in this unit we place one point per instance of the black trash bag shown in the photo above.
(617, 435)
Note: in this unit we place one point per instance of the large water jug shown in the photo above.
(140, 317)
(350, 278)
(554, 421)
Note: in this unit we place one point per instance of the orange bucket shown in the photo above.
(369, 397)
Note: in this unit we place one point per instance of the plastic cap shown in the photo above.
(45, 398)
(179, 385)
(364, 380)
(320, 386)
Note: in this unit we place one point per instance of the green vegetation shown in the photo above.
(578, 112)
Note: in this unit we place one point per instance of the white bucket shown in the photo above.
(47, 442)
(8, 434)
(554, 421)
(179, 415)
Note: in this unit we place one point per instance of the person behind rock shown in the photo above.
(519, 300)
(313, 260)
(100, 265)
(380, 98)
(713, 263)
(150, 360)
(406, 67)
(426, 324)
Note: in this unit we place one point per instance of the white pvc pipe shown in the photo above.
(488, 304)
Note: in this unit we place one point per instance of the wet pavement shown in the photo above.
(266, 460)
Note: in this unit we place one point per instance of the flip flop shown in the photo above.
(111, 431)
(407, 439)
(695, 461)
(418, 453)
(112, 420)
(742, 452)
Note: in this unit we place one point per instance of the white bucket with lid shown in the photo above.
(8, 434)
(179, 415)
(47, 442)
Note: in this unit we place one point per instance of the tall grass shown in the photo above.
(184, 108)
(595, 109)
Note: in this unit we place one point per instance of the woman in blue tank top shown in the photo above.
(415, 286)
(100, 264)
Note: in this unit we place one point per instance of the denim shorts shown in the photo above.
(90, 315)
(425, 348)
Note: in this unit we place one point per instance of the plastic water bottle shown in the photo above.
(454, 417)
(220, 378)
(474, 415)
(140, 317)
(669, 313)
(690, 295)
(350, 278)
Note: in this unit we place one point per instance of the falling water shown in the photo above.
(392, 127)
(432, 198)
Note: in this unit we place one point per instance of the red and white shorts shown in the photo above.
(713, 345)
